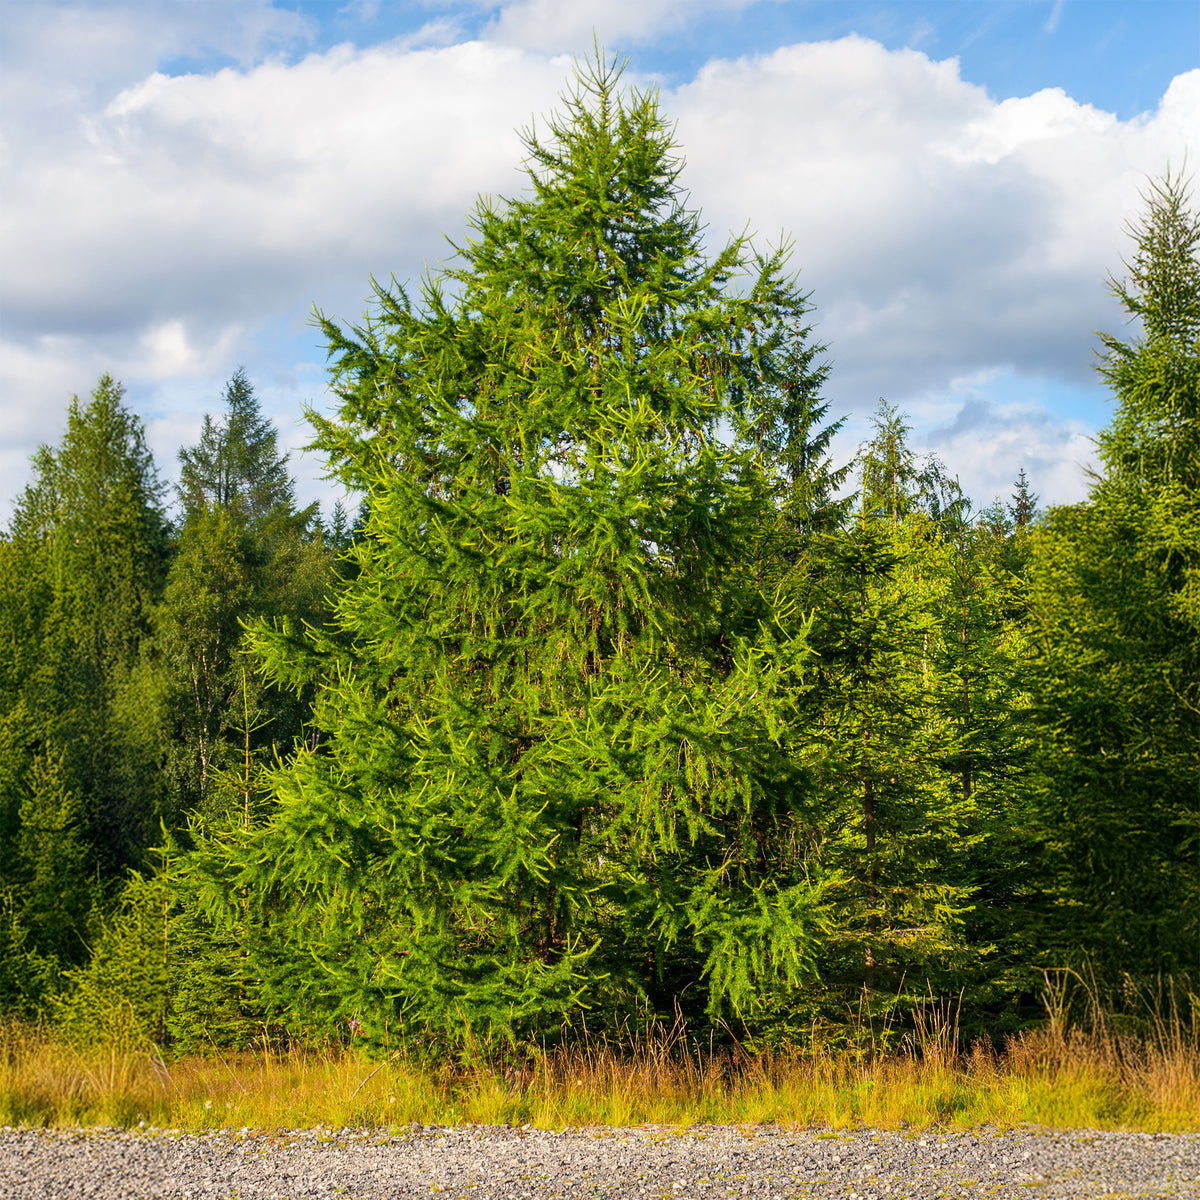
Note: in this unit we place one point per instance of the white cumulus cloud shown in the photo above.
(167, 227)
(942, 232)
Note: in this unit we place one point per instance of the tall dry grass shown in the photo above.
(1078, 1070)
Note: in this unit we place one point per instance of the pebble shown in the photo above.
(503, 1163)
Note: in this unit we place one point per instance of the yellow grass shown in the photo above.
(1051, 1077)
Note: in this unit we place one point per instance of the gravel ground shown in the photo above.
(514, 1164)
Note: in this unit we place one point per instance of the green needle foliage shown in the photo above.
(244, 552)
(909, 734)
(612, 702)
(81, 568)
(1116, 595)
(553, 694)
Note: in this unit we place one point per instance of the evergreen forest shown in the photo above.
(615, 699)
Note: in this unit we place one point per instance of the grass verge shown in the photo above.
(1098, 1078)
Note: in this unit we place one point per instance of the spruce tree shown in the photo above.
(896, 804)
(981, 706)
(83, 565)
(1116, 594)
(895, 480)
(1153, 441)
(1023, 508)
(93, 526)
(244, 551)
(236, 466)
(910, 734)
(547, 767)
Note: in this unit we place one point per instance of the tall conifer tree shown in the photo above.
(83, 566)
(1116, 593)
(1023, 508)
(236, 466)
(549, 767)
(244, 551)
(908, 734)
(880, 740)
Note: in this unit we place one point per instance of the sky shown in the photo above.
(183, 181)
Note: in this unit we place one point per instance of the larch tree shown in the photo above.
(551, 698)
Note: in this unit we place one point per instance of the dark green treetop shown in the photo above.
(95, 505)
(1023, 508)
(895, 480)
(236, 464)
(1155, 435)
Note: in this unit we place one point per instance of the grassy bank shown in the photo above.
(1099, 1078)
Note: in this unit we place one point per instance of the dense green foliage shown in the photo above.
(127, 702)
(1115, 584)
(84, 564)
(551, 773)
(617, 697)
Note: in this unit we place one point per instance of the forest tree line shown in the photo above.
(616, 696)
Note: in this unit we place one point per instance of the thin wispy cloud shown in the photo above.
(551, 26)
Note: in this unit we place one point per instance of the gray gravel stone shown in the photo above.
(486, 1163)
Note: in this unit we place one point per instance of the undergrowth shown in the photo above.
(1077, 1072)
